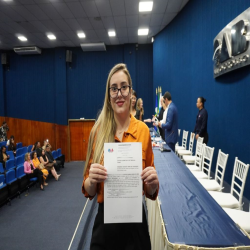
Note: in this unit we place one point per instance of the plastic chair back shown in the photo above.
(10, 176)
(59, 152)
(54, 153)
(11, 154)
(24, 150)
(19, 145)
(221, 167)
(191, 143)
(29, 148)
(184, 139)
(1, 168)
(198, 155)
(208, 153)
(9, 164)
(239, 178)
(19, 152)
(3, 143)
(19, 160)
(20, 172)
(2, 181)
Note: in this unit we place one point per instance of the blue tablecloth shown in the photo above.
(190, 214)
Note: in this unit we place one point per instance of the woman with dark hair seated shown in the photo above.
(40, 166)
(12, 146)
(3, 156)
(133, 103)
(139, 110)
(49, 166)
(31, 171)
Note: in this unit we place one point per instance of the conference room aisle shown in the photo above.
(45, 219)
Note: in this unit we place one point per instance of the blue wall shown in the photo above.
(182, 62)
(44, 88)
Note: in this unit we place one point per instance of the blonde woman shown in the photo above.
(133, 103)
(31, 171)
(38, 165)
(116, 124)
(139, 110)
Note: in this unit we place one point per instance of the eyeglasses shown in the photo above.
(124, 91)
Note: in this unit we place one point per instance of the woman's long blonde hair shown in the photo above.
(139, 101)
(105, 127)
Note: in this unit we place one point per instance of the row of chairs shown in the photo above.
(13, 180)
(200, 166)
(18, 145)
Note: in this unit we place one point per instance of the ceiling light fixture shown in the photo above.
(81, 35)
(111, 33)
(145, 6)
(142, 32)
(152, 40)
(22, 38)
(51, 37)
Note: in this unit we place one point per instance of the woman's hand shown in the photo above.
(97, 174)
(150, 178)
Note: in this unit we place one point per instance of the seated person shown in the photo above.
(45, 143)
(12, 146)
(3, 156)
(37, 164)
(57, 163)
(49, 166)
(8, 142)
(37, 147)
(139, 110)
(32, 172)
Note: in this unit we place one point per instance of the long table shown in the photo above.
(185, 214)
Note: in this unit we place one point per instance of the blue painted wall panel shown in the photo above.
(182, 61)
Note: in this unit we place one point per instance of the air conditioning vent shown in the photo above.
(28, 50)
(93, 46)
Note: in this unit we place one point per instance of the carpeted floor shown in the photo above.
(44, 219)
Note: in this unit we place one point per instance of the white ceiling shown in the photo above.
(64, 18)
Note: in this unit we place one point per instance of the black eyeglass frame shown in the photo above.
(119, 89)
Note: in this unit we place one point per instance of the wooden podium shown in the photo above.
(78, 136)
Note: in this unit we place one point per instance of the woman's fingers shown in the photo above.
(97, 173)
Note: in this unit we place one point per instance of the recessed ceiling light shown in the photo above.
(51, 37)
(81, 35)
(112, 33)
(22, 38)
(142, 32)
(145, 6)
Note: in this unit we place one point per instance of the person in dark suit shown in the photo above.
(171, 125)
(200, 128)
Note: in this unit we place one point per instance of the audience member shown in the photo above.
(133, 103)
(162, 116)
(37, 147)
(40, 166)
(46, 143)
(8, 142)
(33, 172)
(56, 163)
(139, 110)
(200, 128)
(3, 156)
(49, 166)
(3, 131)
(171, 124)
(12, 146)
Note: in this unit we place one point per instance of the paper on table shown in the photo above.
(123, 187)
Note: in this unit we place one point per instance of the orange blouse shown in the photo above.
(36, 162)
(137, 132)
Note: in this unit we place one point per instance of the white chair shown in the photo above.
(239, 176)
(190, 159)
(188, 151)
(241, 218)
(198, 158)
(179, 132)
(217, 183)
(184, 142)
(206, 164)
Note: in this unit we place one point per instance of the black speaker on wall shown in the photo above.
(5, 59)
(68, 56)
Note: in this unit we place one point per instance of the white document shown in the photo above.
(123, 187)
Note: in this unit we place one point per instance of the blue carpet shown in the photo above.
(45, 219)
